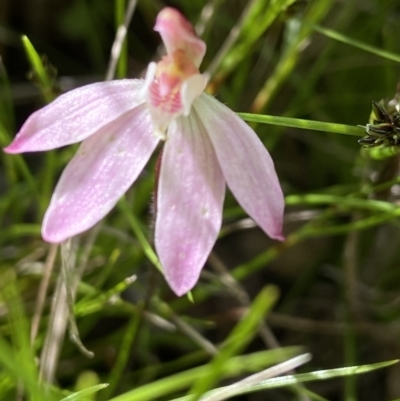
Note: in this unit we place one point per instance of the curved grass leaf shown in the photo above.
(355, 43)
(240, 336)
(80, 395)
(179, 381)
(289, 380)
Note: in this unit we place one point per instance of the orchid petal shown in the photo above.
(247, 166)
(191, 89)
(76, 115)
(102, 170)
(148, 80)
(178, 34)
(191, 191)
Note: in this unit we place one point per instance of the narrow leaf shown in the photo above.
(83, 393)
(303, 124)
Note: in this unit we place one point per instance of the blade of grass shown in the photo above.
(256, 19)
(19, 360)
(80, 395)
(361, 224)
(356, 43)
(238, 339)
(303, 124)
(67, 267)
(288, 60)
(318, 375)
(237, 365)
(46, 85)
(19, 163)
(21, 230)
(44, 81)
(340, 201)
(86, 306)
(118, 45)
(17, 371)
(6, 103)
(137, 230)
(122, 64)
(123, 356)
(306, 85)
(236, 388)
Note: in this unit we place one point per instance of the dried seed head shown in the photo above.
(384, 126)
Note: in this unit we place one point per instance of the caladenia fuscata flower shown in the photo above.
(206, 146)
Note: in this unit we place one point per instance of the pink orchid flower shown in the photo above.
(121, 123)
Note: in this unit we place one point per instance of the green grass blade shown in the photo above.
(45, 82)
(340, 201)
(304, 124)
(6, 101)
(21, 230)
(47, 86)
(137, 230)
(319, 375)
(357, 225)
(88, 306)
(237, 365)
(355, 43)
(288, 60)
(18, 358)
(240, 336)
(82, 395)
(123, 356)
(259, 18)
(122, 64)
(17, 162)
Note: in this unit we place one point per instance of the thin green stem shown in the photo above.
(304, 124)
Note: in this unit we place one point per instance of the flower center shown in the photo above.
(165, 91)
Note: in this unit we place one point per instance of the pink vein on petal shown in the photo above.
(76, 115)
(102, 170)
(189, 205)
(246, 164)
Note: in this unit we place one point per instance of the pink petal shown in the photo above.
(189, 205)
(178, 34)
(246, 164)
(102, 170)
(76, 115)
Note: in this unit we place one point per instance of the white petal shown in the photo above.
(191, 89)
(150, 74)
